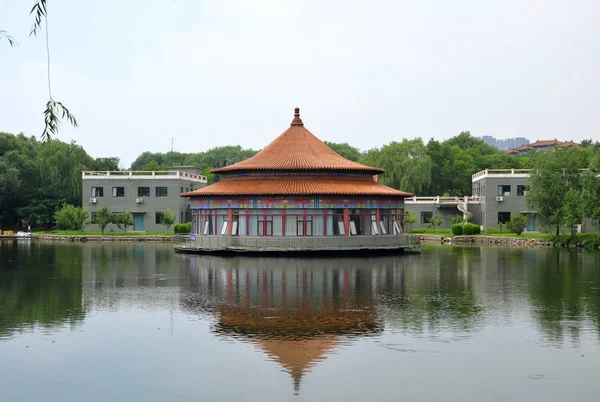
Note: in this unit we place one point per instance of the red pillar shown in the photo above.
(347, 221)
(283, 222)
(229, 221)
(247, 221)
(324, 222)
(377, 217)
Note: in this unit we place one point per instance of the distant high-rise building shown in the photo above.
(504, 144)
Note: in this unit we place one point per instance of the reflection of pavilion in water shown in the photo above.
(298, 311)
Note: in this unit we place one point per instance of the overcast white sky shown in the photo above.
(224, 72)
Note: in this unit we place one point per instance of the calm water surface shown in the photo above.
(122, 322)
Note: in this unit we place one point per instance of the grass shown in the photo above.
(76, 233)
(490, 232)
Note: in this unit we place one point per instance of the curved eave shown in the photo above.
(282, 168)
(297, 186)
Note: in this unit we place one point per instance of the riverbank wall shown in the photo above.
(120, 239)
(485, 241)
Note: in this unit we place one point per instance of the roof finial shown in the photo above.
(297, 121)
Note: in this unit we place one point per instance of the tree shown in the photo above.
(409, 218)
(106, 164)
(345, 150)
(123, 220)
(590, 193)
(435, 221)
(456, 219)
(407, 165)
(554, 174)
(168, 219)
(573, 209)
(70, 217)
(517, 224)
(103, 218)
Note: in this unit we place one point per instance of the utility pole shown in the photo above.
(172, 149)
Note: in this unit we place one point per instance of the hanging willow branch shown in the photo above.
(11, 41)
(39, 11)
(55, 111)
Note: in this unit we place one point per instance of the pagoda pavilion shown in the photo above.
(296, 188)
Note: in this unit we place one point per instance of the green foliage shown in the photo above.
(37, 177)
(407, 165)
(123, 220)
(457, 229)
(182, 228)
(476, 229)
(55, 112)
(517, 224)
(70, 217)
(10, 39)
(106, 164)
(555, 174)
(210, 159)
(345, 150)
(103, 218)
(168, 219)
(409, 218)
(468, 229)
(435, 221)
(456, 219)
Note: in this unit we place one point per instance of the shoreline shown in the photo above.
(95, 238)
(426, 239)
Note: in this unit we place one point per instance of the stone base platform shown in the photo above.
(295, 245)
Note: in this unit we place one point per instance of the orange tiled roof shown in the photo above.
(297, 185)
(298, 149)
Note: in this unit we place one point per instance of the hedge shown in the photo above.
(182, 228)
(457, 229)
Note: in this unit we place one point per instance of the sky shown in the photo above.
(219, 72)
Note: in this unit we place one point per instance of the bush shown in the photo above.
(182, 228)
(457, 229)
(468, 229)
(70, 217)
(477, 229)
(517, 224)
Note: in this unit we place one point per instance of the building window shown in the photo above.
(97, 191)
(93, 217)
(181, 219)
(143, 191)
(186, 189)
(182, 189)
(521, 190)
(503, 217)
(118, 191)
(161, 192)
(158, 218)
(426, 216)
(503, 190)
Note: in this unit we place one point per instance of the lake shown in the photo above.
(124, 322)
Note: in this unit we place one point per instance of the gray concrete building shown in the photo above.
(496, 195)
(445, 207)
(502, 194)
(147, 195)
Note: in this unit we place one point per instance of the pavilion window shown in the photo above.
(337, 222)
(317, 222)
(265, 225)
(240, 216)
(222, 217)
(276, 215)
(292, 216)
